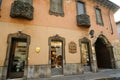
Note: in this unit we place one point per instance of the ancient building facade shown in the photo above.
(44, 38)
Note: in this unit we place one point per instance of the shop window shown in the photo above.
(99, 19)
(85, 53)
(56, 7)
(16, 60)
(56, 54)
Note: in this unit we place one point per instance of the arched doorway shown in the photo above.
(104, 53)
(56, 54)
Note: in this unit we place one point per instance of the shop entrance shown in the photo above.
(56, 58)
(17, 58)
(85, 47)
(56, 54)
(85, 57)
(104, 53)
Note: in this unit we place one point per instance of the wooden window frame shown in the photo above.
(101, 18)
(84, 8)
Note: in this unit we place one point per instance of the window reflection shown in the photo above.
(56, 54)
(19, 57)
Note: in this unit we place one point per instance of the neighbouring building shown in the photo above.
(118, 28)
(117, 48)
(44, 38)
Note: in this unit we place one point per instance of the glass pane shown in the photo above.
(81, 9)
(99, 16)
(56, 54)
(85, 55)
(56, 7)
(19, 57)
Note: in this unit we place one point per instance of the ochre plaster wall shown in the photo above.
(39, 38)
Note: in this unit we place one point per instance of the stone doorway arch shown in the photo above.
(86, 54)
(56, 54)
(104, 53)
(16, 61)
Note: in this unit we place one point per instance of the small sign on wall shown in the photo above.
(72, 47)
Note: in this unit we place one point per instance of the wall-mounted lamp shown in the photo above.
(68, 1)
(37, 49)
(20, 31)
(92, 33)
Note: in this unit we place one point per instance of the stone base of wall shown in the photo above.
(1, 73)
(71, 69)
(94, 66)
(118, 64)
(39, 71)
(42, 71)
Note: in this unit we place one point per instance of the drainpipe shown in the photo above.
(111, 27)
(0, 7)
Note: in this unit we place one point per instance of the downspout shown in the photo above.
(0, 7)
(111, 27)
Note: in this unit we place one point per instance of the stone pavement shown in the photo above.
(107, 73)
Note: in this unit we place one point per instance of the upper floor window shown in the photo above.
(99, 16)
(56, 7)
(80, 8)
(27, 1)
(0, 2)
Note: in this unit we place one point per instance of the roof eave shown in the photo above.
(108, 4)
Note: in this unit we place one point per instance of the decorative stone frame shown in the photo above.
(57, 38)
(18, 35)
(56, 11)
(22, 9)
(72, 47)
(86, 40)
